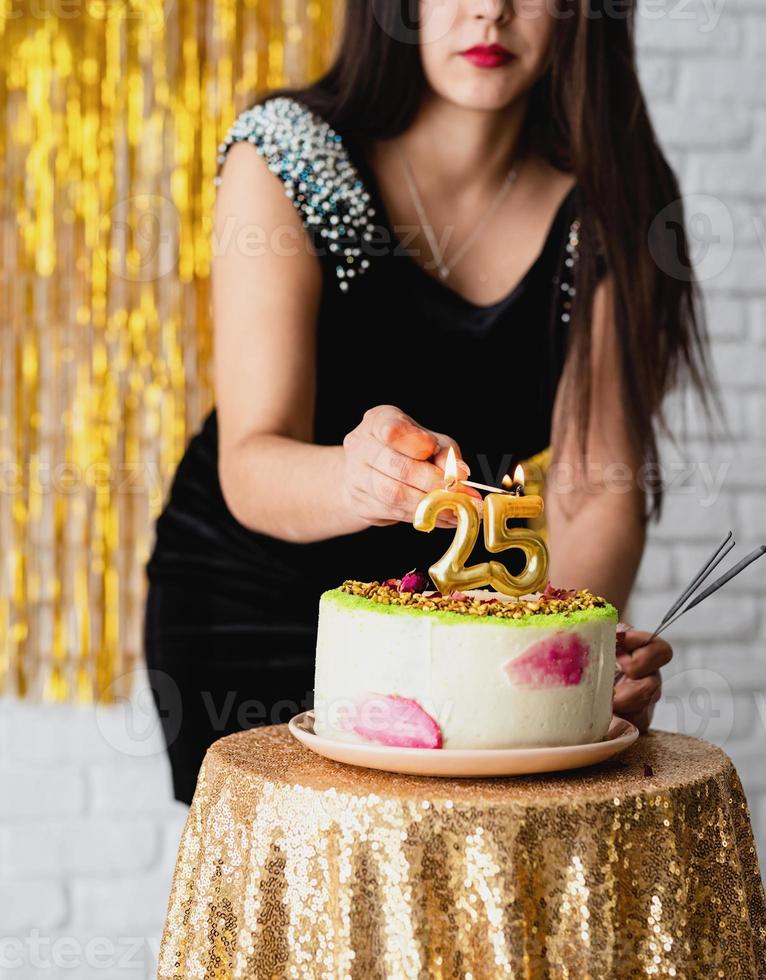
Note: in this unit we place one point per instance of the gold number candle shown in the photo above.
(451, 572)
(499, 508)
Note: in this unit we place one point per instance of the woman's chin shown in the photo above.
(483, 95)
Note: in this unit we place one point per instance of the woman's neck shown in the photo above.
(450, 147)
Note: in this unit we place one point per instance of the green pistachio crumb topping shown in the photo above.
(545, 610)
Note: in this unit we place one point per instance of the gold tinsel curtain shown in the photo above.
(110, 116)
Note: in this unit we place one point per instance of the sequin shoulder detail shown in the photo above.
(570, 270)
(309, 157)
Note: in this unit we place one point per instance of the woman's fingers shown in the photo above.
(631, 639)
(634, 700)
(639, 658)
(640, 686)
(395, 429)
(632, 695)
(394, 445)
(401, 500)
(384, 497)
(386, 470)
(390, 464)
(389, 497)
(419, 475)
(395, 499)
(412, 474)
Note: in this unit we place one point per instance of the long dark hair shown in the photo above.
(588, 117)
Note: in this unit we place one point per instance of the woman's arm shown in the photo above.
(266, 290)
(595, 519)
(266, 287)
(595, 516)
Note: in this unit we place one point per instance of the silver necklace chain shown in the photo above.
(444, 267)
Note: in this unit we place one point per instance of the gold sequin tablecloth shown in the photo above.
(294, 866)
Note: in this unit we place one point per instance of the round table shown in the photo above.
(294, 866)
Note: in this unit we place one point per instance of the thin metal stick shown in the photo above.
(718, 584)
(698, 579)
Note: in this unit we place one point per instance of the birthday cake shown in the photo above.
(401, 665)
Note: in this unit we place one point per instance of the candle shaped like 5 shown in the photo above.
(450, 572)
(499, 508)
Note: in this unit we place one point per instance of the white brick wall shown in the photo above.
(88, 839)
(705, 77)
(88, 832)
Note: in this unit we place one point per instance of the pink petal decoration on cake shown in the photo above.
(415, 581)
(559, 661)
(390, 719)
(551, 592)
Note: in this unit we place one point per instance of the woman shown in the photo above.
(442, 242)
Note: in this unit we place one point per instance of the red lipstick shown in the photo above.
(488, 55)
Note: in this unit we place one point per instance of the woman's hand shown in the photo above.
(639, 687)
(390, 462)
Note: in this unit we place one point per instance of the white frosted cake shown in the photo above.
(463, 671)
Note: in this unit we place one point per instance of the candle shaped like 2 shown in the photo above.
(450, 572)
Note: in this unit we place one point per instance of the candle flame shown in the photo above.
(450, 468)
(518, 478)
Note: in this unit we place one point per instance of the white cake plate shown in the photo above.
(465, 762)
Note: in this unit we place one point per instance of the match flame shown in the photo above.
(450, 468)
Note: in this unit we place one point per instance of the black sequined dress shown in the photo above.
(231, 614)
